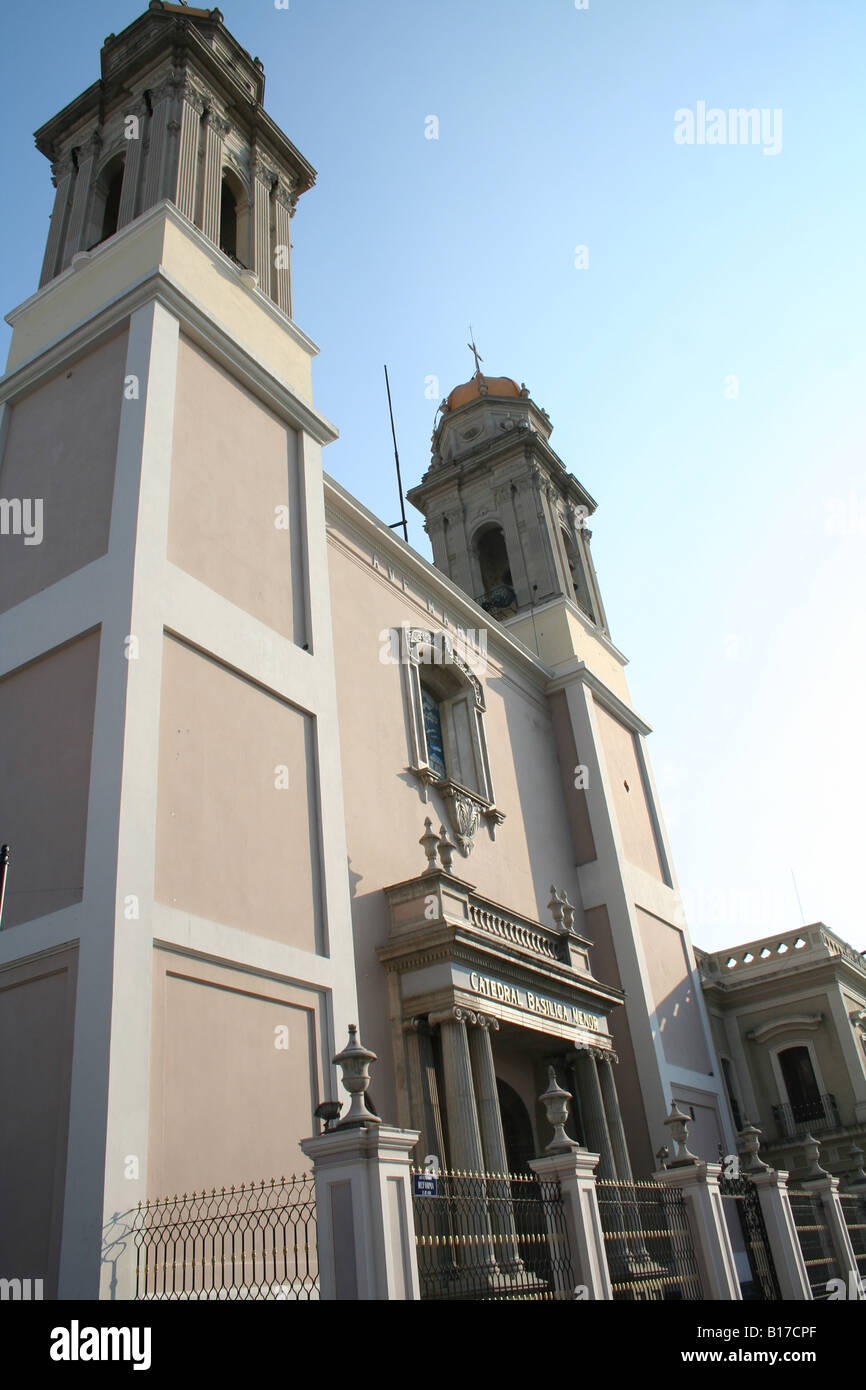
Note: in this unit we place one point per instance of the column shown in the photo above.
(191, 107)
(597, 1135)
(464, 1132)
(493, 1142)
(132, 167)
(216, 129)
(62, 176)
(263, 178)
(282, 282)
(613, 1116)
(157, 140)
(472, 1241)
(81, 198)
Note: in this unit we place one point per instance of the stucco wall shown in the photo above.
(627, 789)
(233, 465)
(46, 732)
(673, 994)
(61, 448)
(37, 1009)
(229, 1101)
(233, 844)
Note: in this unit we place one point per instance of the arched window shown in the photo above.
(105, 209)
(234, 219)
(804, 1093)
(498, 596)
(578, 577)
(112, 202)
(433, 731)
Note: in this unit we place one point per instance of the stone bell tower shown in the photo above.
(506, 520)
(177, 113)
(176, 953)
(507, 523)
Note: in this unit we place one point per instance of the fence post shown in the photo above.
(772, 1189)
(574, 1169)
(828, 1190)
(815, 1179)
(699, 1184)
(363, 1180)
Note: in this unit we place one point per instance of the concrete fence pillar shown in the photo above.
(699, 1184)
(574, 1170)
(827, 1189)
(362, 1171)
(365, 1225)
(772, 1189)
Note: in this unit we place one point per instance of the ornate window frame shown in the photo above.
(432, 660)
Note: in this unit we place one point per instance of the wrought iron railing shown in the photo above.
(820, 1113)
(854, 1211)
(648, 1243)
(499, 602)
(247, 1242)
(491, 1237)
(816, 1243)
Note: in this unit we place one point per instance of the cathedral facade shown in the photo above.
(266, 771)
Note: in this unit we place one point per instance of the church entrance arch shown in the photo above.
(516, 1128)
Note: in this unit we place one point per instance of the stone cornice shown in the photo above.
(177, 39)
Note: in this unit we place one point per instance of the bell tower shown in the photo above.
(170, 780)
(177, 113)
(506, 520)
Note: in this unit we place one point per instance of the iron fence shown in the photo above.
(741, 1200)
(854, 1211)
(649, 1247)
(491, 1237)
(248, 1242)
(815, 1240)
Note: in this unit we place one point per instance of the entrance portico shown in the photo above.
(486, 999)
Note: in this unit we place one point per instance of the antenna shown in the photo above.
(402, 522)
(797, 893)
(5, 855)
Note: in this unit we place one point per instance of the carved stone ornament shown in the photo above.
(465, 814)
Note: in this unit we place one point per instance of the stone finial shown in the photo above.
(354, 1062)
(855, 1176)
(811, 1150)
(555, 1101)
(430, 843)
(555, 906)
(446, 849)
(678, 1124)
(750, 1142)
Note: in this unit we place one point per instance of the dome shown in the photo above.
(480, 386)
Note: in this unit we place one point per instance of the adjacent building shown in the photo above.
(788, 1016)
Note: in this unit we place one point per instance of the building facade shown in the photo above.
(266, 771)
(788, 1015)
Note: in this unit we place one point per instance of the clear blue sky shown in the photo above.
(730, 538)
